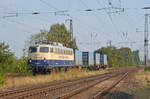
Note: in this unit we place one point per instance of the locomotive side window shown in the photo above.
(64, 52)
(61, 51)
(67, 52)
(51, 50)
(44, 49)
(32, 49)
(55, 50)
(58, 51)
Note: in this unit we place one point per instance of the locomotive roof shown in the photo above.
(51, 45)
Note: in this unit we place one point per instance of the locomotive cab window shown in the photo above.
(32, 49)
(59, 51)
(44, 49)
(71, 52)
(51, 50)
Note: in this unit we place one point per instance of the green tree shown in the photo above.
(9, 63)
(6, 57)
(120, 57)
(136, 57)
(6, 60)
(57, 33)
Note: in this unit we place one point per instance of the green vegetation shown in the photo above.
(5, 61)
(10, 64)
(31, 80)
(143, 92)
(2, 79)
(120, 57)
(147, 68)
(143, 76)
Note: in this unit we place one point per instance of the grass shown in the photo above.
(144, 90)
(143, 76)
(31, 80)
(143, 93)
(147, 68)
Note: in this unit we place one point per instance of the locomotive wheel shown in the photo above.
(34, 72)
(65, 69)
(49, 71)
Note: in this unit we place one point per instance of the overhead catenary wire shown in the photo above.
(20, 23)
(55, 12)
(22, 29)
(64, 11)
(48, 4)
(110, 17)
(82, 10)
(98, 17)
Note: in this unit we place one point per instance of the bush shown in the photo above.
(2, 79)
(86, 70)
(147, 68)
(22, 67)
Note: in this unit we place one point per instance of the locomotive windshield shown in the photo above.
(44, 49)
(32, 49)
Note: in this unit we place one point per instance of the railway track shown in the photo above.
(105, 91)
(25, 89)
(98, 96)
(59, 89)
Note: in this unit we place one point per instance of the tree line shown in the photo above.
(120, 57)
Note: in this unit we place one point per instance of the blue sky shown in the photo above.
(91, 29)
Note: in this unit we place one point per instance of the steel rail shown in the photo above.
(50, 88)
(46, 89)
(16, 91)
(104, 92)
(65, 96)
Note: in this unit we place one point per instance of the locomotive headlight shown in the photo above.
(30, 60)
(44, 60)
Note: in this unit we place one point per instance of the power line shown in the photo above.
(20, 23)
(109, 16)
(65, 11)
(48, 4)
(19, 28)
(97, 16)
